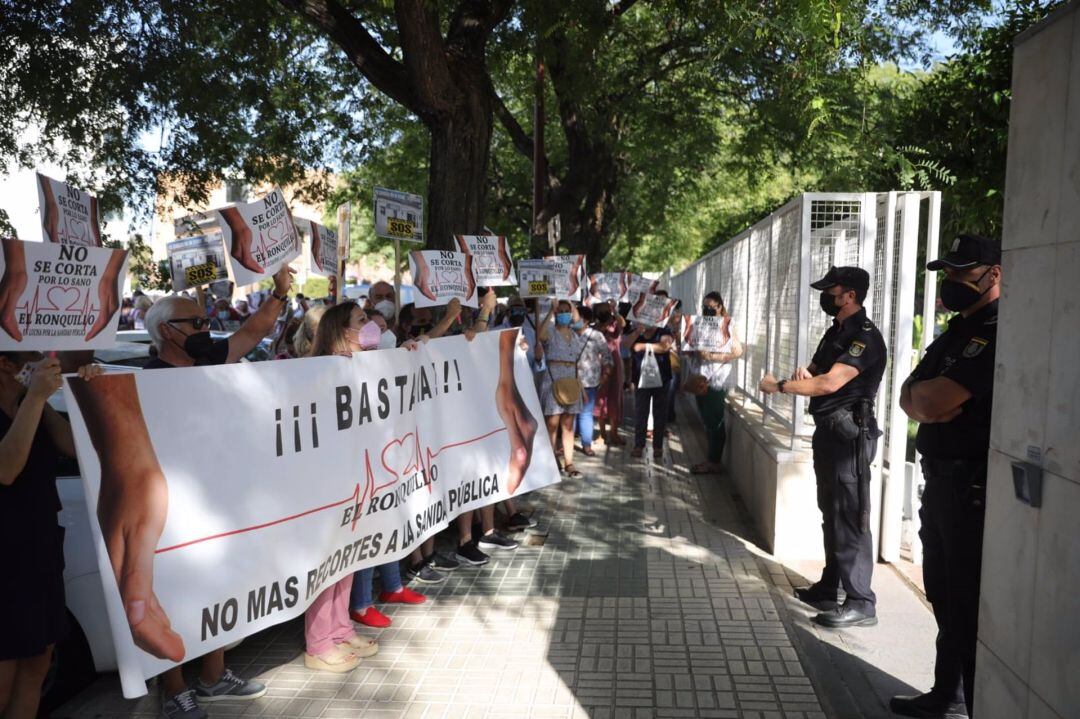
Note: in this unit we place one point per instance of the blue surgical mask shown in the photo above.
(563, 318)
(577, 325)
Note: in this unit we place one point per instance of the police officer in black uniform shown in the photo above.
(950, 394)
(842, 381)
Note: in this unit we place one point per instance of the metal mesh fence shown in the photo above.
(783, 327)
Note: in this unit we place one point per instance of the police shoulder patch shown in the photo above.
(856, 349)
(975, 346)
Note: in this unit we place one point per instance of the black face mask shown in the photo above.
(708, 311)
(517, 318)
(957, 296)
(828, 304)
(198, 346)
(417, 330)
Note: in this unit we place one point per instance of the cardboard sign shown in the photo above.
(59, 296)
(260, 237)
(69, 216)
(492, 264)
(349, 463)
(535, 278)
(324, 249)
(605, 286)
(700, 333)
(568, 276)
(440, 276)
(196, 261)
(399, 215)
(652, 310)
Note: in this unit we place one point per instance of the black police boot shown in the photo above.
(845, 616)
(927, 706)
(808, 595)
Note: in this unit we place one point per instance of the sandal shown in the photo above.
(337, 660)
(571, 471)
(588, 451)
(359, 646)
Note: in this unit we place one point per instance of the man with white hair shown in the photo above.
(381, 297)
(180, 329)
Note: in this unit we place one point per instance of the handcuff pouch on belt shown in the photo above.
(849, 424)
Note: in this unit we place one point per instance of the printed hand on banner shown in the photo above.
(504, 258)
(132, 504)
(50, 213)
(520, 424)
(574, 272)
(108, 294)
(95, 228)
(470, 278)
(423, 278)
(639, 304)
(241, 239)
(316, 247)
(11, 286)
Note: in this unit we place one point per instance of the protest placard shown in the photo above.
(196, 261)
(652, 310)
(378, 439)
(636, 285)
(567, 275)
(324, 249)
(69, 216)
(59, 296)
(535, 278)
(708, 334)
(605, 286)
(439, 276)
(399, 215)
(260, 237)
(492, 264)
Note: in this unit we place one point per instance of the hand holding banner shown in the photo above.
(491, 259)
(652, 310)
(196, 261)
(260, 237)
(59, 296)
(324, 249)
(441, 276)
(69, 216)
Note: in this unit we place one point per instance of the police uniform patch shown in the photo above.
(856, 349)
(975, 346)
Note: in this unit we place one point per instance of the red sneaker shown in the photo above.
(371, 617)
(402, 596)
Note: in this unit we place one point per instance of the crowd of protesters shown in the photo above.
(585, 360)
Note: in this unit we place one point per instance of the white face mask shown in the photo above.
(388, 341)
(386, 309)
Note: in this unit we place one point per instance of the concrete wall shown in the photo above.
(1028, 663)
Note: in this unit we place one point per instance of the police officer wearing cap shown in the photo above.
(842, 381)
(949, 394)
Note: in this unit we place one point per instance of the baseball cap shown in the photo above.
(854, 277)
(968, 251)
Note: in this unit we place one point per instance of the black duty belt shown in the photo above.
(953, 466)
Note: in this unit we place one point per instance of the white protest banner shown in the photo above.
(399, 215)
(568, 275)
(604, 286)
(59, 296)
(492, 264)
(652, 310)
(69, 216)
(439, 276)
(344, 463)
(636, 285)
(535, 278)
(324, 249)
(196, 261)
(700, 333)
(260, 237)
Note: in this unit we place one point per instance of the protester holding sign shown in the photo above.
(491, 259)
(260, 236)
(441, 276)
(594, 368)
(561, 391)
(651, 376)
(712, 341)
(33, 614)
(609, 398)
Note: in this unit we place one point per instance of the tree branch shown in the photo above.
(384, 72)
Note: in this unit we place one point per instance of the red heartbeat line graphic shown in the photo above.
(30, 308)
(357, 498)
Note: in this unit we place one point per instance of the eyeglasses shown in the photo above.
(197, 323)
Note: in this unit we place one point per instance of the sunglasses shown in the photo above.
(197, 323)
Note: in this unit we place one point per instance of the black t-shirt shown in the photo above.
(663, 359)
(219, 354)
(965, 354)
(29, 530)
(855, 342)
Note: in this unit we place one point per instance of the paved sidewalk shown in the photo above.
(646, 598)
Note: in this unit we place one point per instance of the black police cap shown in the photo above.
(854, 277)
(968, 251)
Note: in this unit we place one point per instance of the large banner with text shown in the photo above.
(206, 535)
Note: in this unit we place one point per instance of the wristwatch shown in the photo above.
(280, 298)
(780, 386)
